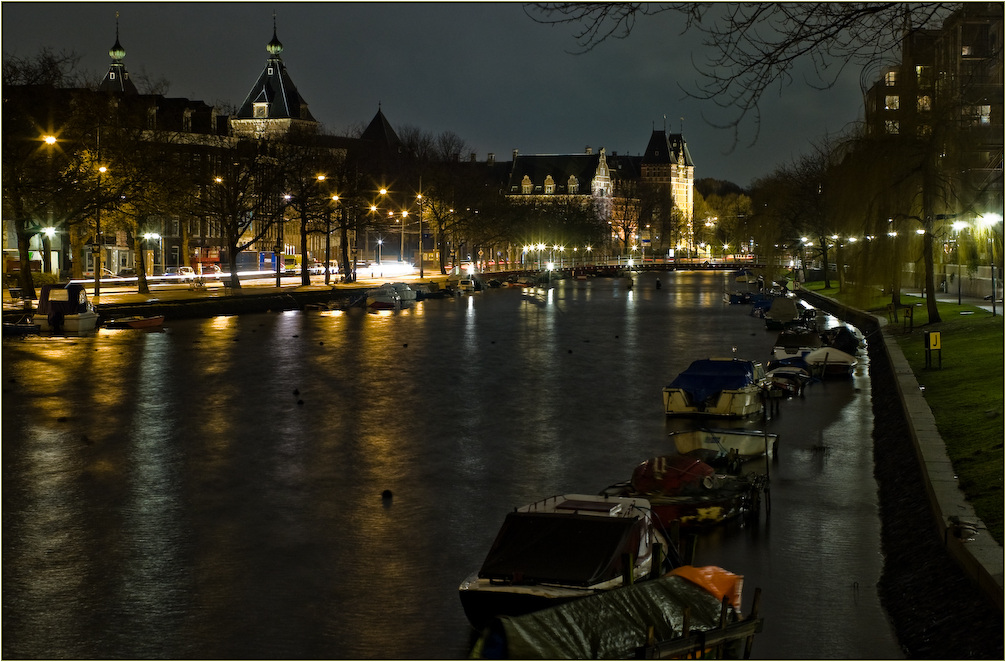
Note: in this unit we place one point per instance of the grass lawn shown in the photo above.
(966, 394)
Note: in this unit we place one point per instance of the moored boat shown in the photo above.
(689, 613)
(65, 309)
(405, 293)
(830, 362)
(789, 378)
(565, 548)
(717, 446)
(795, 343)
(384, 298)
(683, 489)
(782, 312)
(716, 387)
(136, 322)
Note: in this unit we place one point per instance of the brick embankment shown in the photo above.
(943, 595)
(196, 307)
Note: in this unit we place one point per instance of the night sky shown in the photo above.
(485, 71)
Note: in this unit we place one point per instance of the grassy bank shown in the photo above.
(966, 394)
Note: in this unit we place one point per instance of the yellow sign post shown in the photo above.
(933, 342)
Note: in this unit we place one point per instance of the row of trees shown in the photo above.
(94, 164)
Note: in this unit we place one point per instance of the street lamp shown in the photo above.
(419, 197)
(96, 248)
(147, 236)
(380, 242)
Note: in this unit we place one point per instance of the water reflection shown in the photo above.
(215, 491)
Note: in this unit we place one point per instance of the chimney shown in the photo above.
(515, 152)
(471, 157)
(588, 149)
(491, 159)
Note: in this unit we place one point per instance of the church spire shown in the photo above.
(117, 78)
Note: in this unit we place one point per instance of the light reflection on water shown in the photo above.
(214, 490)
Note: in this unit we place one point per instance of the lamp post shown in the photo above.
(96, 248)
(147, 236)
(419, 197)
(328, 240)
(380, 242)
(278, 248)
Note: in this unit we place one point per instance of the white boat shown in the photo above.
(795, 343)
(830, 362)
(564, 548)
(405, 292)
(718, 446)
(384, 298)
(782, 313)
(65, 309)
(717, 387)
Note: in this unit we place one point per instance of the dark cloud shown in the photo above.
(482, 70)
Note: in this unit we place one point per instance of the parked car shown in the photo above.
(316, 268)
(126, 272)
(186, 274)
(212, 271)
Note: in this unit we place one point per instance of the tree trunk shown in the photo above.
(24, 277)
(347, 268)
(139, 244)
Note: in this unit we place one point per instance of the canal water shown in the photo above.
(214, 490)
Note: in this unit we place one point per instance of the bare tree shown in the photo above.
(755, 46)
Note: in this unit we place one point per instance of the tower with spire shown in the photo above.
(273, 108)
(667, 162)
(117, 78)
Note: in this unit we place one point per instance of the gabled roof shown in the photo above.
(666, 148)
(275, 87)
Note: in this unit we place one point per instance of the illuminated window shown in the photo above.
(925, 103)
(549, 184)
(892, 126)
(978, 115)
(261, 110)
(525, 185)
(892, 102)
(924, 75)
(573, 185)
(965, 51)
(891, 78)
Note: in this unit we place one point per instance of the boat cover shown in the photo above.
(783, 309)
(68, 299)
(670, 475)
(707, 377)
(613, 624)
(576, 550)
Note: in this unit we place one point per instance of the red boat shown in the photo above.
(685, 490)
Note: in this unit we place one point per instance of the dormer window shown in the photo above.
(260, 110)
(269, 70)
(573, 186)
(525, 185)
(549, 184)
(111, 75)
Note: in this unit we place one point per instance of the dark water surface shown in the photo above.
(214, 490)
